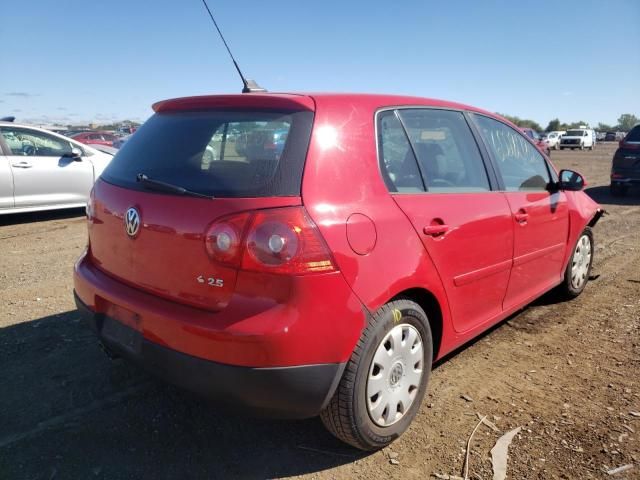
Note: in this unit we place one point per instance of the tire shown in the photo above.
(617, 190)
(349, 416)
(556, 147)
(581, 147)
(576, 275)
(591, 148)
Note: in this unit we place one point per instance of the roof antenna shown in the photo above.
(249, 85)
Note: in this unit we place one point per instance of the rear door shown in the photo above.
(42, 174)
(440, 182)
(540, 214)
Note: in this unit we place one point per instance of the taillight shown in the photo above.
(279, 240)
(223, 239)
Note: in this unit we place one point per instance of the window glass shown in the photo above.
(448, 156)
(397, 162)
(31, 143)
(634, 135)
(219, 153)
(521, 165)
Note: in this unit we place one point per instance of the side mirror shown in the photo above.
(571, 181)
(74, 154)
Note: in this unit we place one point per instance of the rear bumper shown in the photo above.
(277, 322)
(281, 392)
(623, 177)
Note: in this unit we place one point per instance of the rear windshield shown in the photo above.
(218, 153)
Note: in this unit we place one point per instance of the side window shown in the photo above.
(521, 165)
(448, 156)
(397, 162)
(31, 143)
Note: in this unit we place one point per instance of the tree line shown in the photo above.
(626, 122)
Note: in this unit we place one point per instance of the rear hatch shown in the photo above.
(224, 158)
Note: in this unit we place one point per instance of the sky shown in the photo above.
(75, 61)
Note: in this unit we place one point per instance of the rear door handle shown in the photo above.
(435, 230)
(22, 165)
(522, 217)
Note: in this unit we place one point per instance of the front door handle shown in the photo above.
(22, 164)
(435, 230)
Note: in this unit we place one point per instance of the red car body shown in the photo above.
(95, 138)
(279, 338)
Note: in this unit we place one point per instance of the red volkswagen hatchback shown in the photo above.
(324, 276)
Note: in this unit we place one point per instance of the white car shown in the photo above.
(579, 138)
(552, 139)
(41, 170)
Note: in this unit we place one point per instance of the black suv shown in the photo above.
(625, 168)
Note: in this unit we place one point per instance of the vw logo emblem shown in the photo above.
(132, 222)
(396, 374)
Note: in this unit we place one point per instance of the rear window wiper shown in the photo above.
(159, 186)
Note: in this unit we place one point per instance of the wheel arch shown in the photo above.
(429, 303)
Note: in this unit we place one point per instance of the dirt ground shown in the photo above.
(567, 373)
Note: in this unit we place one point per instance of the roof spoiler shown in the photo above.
(7, 119)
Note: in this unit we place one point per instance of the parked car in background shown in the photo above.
(127, 129)
(552, 140)
(105, 149)
(71, 133)
(610, 137)
(625, 167)
(41, 170)
(535, 138)
(120, 141)
(577, 138)
(95, 138)
(600, 136)
(324, 279)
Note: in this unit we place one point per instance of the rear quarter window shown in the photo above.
(218, 153)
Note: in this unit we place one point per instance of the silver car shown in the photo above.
(41, 170)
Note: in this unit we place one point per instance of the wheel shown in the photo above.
(591, 148)
(385, 379)
(573, 148)
(617, 190)
(578, 270)
(561, 148)
(556, 147)
(581, 147)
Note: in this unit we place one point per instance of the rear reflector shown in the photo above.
(280, 240)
